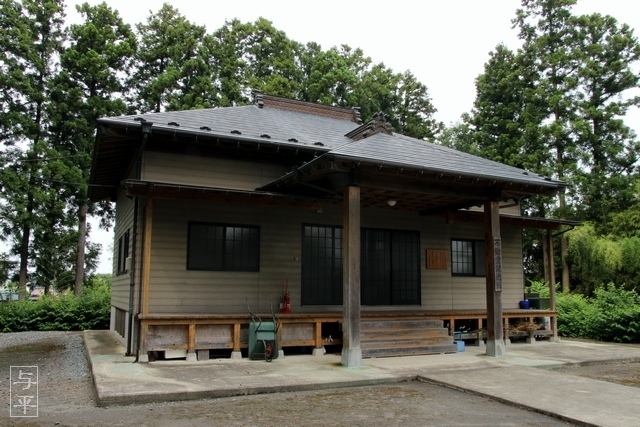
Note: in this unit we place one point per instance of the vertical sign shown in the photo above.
(497, 263)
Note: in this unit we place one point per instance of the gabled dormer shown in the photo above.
(378, 124)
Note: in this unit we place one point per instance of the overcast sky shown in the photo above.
(444, 43)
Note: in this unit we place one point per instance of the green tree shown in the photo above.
(460, 136)
(169, 63)
(413, 115)
(91, 83)
(31, 37)
(547, 29)
(272, 60)
(228, 47)
(607, 53)
(626, 223)
(334, 75)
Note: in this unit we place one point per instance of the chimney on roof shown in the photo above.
(378, 124)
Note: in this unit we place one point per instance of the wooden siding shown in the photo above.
(208, 171)
(176, 290)
(121, 282)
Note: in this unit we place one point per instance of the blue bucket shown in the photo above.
(524, 304)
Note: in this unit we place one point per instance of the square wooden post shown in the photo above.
(351, 351)
(143, 357)
(493, 251)
(552, 286)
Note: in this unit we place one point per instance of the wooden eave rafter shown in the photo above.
(159, 190)
(513, 221)
(426, 192)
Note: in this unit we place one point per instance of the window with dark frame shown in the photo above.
(123, 253)
(390, 271)
(223, 247)
(468, 257)
(390, 266)
(321, 265)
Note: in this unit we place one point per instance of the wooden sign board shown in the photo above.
(437, 259)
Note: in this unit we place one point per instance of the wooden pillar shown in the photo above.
(552, 286)
(493, 253)
(143, 357)
(146, 258)
(191, 344)
(236, 354)
(317, 335)
(351, 351)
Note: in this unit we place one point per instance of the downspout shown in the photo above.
(146, 131)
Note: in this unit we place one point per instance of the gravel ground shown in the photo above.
(66, 397)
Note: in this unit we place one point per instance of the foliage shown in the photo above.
(556, 106)
(626, 223)
(538, 287)
(31, 36)
(91, 310)
(612, 314)
(56, 81)
(596, 259)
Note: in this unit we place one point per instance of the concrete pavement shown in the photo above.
(516, 378)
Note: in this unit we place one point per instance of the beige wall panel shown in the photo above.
(174, 289)
(208, 171)
(120, 282)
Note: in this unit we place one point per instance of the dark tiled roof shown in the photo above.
(317, 133)
(410, 153)
(281, 127)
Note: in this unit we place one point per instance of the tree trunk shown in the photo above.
(82, 234)
(24, 260)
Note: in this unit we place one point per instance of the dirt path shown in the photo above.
(624, 373)
(66, 398)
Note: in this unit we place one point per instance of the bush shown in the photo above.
(60, 313)
(598, 259)
(612, 314)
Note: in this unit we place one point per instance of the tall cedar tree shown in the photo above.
(50, 113)
(167, 63)
(31, 37)
(556, 107)
(609, 149)
(90, 85)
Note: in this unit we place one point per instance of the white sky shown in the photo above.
(444, 43)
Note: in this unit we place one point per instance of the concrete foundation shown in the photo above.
(351, 358)
(496, 348)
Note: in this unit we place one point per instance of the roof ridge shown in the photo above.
(261, 100)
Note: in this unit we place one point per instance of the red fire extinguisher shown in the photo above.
(286, 301)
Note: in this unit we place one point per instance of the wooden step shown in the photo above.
(408, 351)
(399, 342)
(404, 337)
(404, 334)
(400, 324)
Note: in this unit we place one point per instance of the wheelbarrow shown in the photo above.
(263, 337)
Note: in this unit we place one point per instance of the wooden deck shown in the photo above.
(201, 332)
